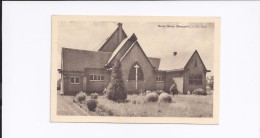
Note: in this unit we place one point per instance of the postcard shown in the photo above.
(135, 69)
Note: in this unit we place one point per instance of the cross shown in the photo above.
(136, 75)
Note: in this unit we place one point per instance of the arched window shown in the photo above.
(132, 73)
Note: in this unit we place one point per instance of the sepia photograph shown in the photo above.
(130, 69)
(126, 69)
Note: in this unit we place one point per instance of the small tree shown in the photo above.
(116, 88)
(173, 89)
(211, 82)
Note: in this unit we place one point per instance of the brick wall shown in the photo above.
(136, 55)
(191, 69)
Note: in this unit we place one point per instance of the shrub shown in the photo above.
(80, 97)
(210, 93)
(107, 111)
(148, 92)
(151, 97)
(199, 91)
(208, 88)
(92, 104)
(165, 97)
(159, 92)
(116, 88)
(94, 95)
(141, 92)
(173, 89)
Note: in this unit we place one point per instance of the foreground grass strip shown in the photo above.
(182, 106)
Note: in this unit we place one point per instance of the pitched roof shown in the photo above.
(175, 62)
(122, 48)
(155, 62)
(114, 40)
(117, 49)
(78, 60)
(131, 47)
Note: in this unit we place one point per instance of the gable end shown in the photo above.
(114, 40)
(196, 52)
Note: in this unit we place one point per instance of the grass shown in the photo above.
(182, 106)
(65, 106)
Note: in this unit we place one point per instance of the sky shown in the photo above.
(158, 39)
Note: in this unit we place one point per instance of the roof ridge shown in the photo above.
(132, 45)
(128, 50)
(76, 59)
(119, 48)
(114, 53)
(121, 32)
(154, 57)
(103, 43)
(85, 50)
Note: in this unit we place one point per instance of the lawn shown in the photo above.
(182, 106)
(65, 106)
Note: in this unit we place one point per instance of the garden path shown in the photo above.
(67, 107)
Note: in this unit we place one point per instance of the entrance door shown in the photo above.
(84, 84)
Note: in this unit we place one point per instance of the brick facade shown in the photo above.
(89, 71)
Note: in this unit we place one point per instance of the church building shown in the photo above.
(89, 71)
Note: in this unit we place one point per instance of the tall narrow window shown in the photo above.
(134, 70)
(159, 79)
(91, 77)
(77, 80)
(190, 79)
(195, 63)
(71, 80)
(102, 78)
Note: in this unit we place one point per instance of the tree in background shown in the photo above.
(210, 81)
(116, 89)
(173, 89)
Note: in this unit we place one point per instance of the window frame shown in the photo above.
(159, 78)
(195, 79)
(132, 73)
(95, 77)
(74, 78)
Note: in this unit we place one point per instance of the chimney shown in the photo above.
(119, 25)
(174, 53)
(120, 32)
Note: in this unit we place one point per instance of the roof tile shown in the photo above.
(78, 60)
